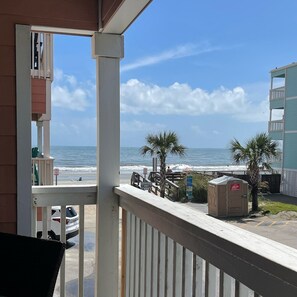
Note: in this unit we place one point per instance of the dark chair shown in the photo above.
(28, 266)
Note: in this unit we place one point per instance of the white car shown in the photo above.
(72, 223)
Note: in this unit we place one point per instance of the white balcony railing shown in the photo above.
(276, 126)
(42, 171)
(176, 251)
(47, 196)
(171, 250)
(42, 55)
(277, 93)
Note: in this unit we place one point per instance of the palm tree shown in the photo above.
(162, 145)
(257, 155)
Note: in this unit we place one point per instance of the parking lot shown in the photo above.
(281, 227)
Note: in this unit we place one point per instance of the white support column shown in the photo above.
(46, 139)
(39, 135)
(25, 211)
(46, 118)
(107, 49)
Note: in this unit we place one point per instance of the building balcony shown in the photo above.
(42, 55)
(167, 249)
(42, 171)
(276, 129)
(277, 93)
(276, 126)
(277, 98)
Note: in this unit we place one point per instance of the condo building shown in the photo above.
(283, 124)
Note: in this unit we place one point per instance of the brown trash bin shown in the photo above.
(227, 197)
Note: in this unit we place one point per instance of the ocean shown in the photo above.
(79, 162)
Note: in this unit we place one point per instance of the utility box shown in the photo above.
(227, 197)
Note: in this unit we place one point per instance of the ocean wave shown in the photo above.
(78, 169)
(139, 168)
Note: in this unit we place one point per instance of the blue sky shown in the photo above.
(200, 69)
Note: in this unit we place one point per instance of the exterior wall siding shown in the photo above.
(290, 114)
(8, 209)
(290, 148)
(38, 87)
(289, 185)
(277, 104)
(291, 82)
(276, 135)
(79, 14)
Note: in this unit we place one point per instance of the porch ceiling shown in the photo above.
(117, 15)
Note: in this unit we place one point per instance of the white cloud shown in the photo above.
(180, 99)
(129, 126)
(181, 51)
(68, 93)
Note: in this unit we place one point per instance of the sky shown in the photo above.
(198, 68)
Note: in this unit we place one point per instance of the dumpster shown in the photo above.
(227, 197)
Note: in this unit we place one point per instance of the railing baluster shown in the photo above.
(244, 291)
(188, 273)
(199, 277)
(63, 239)
(132, 264)
(137, 256)
(178, 270)
(124, 253)
(170, 267)
(128, 253)
(162, 263)
(155, 263)
(229, 286)
(81, 250)
(149, 257)
(142, 259)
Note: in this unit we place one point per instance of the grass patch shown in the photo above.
(273, 207)
(200, 186)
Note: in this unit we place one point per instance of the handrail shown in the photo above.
(277, 93)
(64, 195)
(276, 126)
(263, 265)
(171, 189)
(80, 195)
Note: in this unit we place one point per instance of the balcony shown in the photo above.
(42, 55)
(276, 126)
(277, 93)
(42, 171)
(277, 98)
(276, 129)
(168, 249)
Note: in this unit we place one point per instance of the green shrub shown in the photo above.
(200, 185)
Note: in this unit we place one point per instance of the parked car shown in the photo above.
(72, 223)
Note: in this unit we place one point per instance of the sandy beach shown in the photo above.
(124, 179)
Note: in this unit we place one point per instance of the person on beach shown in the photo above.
(169, 170)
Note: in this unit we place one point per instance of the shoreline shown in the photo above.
(124, 179)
